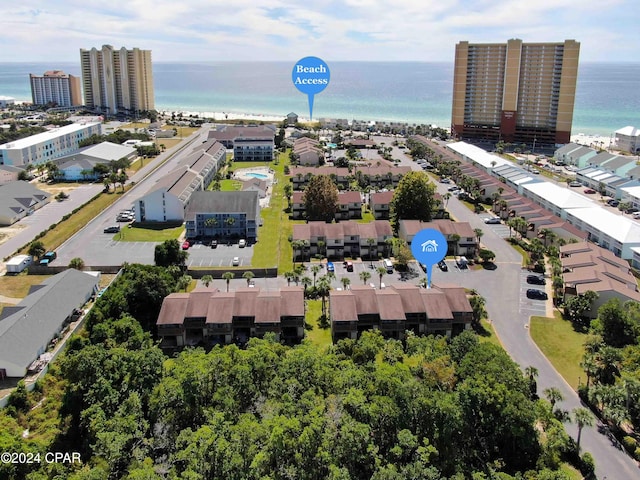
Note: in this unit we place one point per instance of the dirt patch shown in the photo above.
(56, 188)
(8, 232)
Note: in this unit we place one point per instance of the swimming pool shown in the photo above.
(261, 176)
(332, 145)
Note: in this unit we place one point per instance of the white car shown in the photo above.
(236, 261)
(492, 220)
(242, 243)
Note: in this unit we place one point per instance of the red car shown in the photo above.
(589, 191)
(186, 245)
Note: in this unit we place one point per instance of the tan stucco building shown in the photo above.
(515, 92)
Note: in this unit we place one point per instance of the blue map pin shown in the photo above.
(429, 246)
(310, 75)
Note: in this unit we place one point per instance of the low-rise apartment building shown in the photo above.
(441, 310)
(587, 267)
(249, 143)
(209, 317)
(344, 239)
(461, 238)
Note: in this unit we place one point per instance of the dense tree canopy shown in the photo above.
(320, 198)
(413, 199)
(169, 253)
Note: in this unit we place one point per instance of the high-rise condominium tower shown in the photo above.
(515, 92)
(117, 81)
(57, 87)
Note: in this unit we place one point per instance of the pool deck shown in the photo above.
(243, 176)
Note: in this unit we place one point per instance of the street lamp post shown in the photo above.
(533, 150)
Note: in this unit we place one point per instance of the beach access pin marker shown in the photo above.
(429, 247)
(311, 76)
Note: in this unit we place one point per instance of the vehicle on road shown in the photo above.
(536, 279)
(589, 191)
(445, 180)
(492, 220)
(330, 267)
(112, 229)
(186, 245)
(214, 244)
(442, 265)
(236, 261)
(536, 294)
(242, 243)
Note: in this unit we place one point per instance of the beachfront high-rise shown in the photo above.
(57, 87)
(117, 81)
(515, 92)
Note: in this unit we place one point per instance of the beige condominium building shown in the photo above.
(57, 87)
(117, 81)
(515, 92)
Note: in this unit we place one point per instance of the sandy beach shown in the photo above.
(593, 140)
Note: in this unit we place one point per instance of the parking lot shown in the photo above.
(528, 306)
(499, 229)
(201, 255)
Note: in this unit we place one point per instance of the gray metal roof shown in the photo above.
(28, 326)
(18, 196)
(223, 202)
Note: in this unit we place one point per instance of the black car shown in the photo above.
(112, 229)
(536, 294)
(536, 279)
(443, 266)
(214, 244)
(613, 203)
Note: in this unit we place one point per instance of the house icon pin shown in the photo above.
(429, 246)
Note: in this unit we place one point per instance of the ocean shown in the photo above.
(607, 97)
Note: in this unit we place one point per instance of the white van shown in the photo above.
(462, 262)
(388, 265)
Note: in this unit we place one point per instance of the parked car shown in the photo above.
(242, 243)
(214, 244)
(536, 279)
(462, 262)
(349, 266)
(236, 261)
(636, 215)
(330, 267)
(575, 183)
(112, 229)
(186, 245)
(613, 203)
(47, 258)
(492, 220)
(536, 294)
(589, 191)
(442, 265)
(631, 210)
(445, 180)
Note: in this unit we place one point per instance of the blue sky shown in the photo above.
(384, 30)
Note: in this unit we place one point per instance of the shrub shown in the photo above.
(587, 465)
(630, 444)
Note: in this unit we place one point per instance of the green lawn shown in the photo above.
(230, 185)
(367, 216)
(149, 233)
(273, 247)
(561, 344)
(488, 334)
(318, 336)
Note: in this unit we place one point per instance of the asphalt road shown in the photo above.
(98, 248)
(509, 313)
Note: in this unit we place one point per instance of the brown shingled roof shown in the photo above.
(173, 309)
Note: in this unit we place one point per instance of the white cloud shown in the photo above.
(250, 29)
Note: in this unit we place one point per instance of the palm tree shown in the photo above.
(371, 242)
(322, 289)
(76, 263)
(583, 418)
(306, 282)
(479, 233)
(381, 271)
(364, 276)
(446, 198)
(206, 280)
(454, 238)
(315, 269)
(554, 395)
(183, 282)
(289, 276)
(248, 275)
(346, 281)
(227, 276)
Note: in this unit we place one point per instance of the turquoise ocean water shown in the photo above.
(607, 97)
